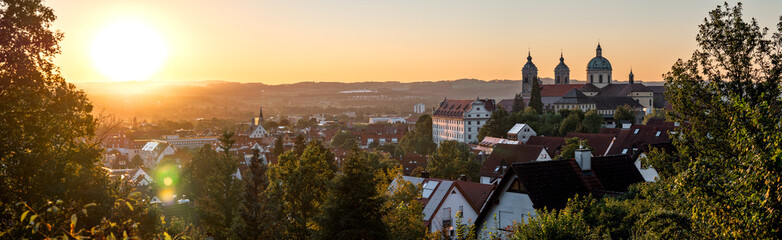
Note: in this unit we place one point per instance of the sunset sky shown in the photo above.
(290, 41)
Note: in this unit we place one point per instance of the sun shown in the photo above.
(128, 51)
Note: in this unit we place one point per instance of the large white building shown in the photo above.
(460, 120)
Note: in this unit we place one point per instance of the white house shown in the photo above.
(460, 120)
(503, 155)
(521, 132)
(154, 151)
(446, 198)
(419, 108)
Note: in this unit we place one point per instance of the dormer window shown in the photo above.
(479, 109)
(636, 131)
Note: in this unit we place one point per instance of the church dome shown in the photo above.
(529, 65)
(599, 63)
(561, 66)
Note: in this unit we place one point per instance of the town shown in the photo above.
(324, 120)
(551, 143)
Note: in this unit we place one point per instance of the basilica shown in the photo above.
(600, 92)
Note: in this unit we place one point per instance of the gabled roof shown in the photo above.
(475, 193)
(611, 102)
(517, 128)
(410, 161)
(493, 141)
(589, 88)
(630, 139)
(616, 172)
(506, 154)
(558, 90)
(506, 104)
(456, 108)
(575, 97)
(600, 143)
(553, 145)
(622, 89)
(550, 184)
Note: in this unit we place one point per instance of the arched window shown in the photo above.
(591, 78)
(557, 79)
(601, 78)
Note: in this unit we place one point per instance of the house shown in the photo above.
(529, 186)
(649, 173)
(521, 132)
(154, 151)
(380, 133)
(553, 145)
(460, 120)
(503, 155)
(601, 143)
(444, 199)
(412, 161)
(487, 144)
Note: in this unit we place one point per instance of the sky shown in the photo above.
(278, 42)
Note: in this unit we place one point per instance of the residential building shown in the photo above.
(419, 108)
(521, 132)
(503, 155)
(460, 120)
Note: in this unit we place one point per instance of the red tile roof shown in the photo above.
(599, 142)
(506, 154)
(553, 145)
(475, 193)
(557, 90)
(456, 108)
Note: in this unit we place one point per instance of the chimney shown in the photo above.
(584, 158)
(425, 174)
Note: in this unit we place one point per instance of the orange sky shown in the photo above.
(278, 42)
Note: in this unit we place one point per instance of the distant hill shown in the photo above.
(232, 100)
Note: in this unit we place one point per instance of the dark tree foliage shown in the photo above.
(518, 103)
(498, 125)
(730, 149)
(299, 143)
(623, 113)
(572, 123)
(300, 183)
(216, 190)
(354, 207)
(278, 147)
(592, 122)
(420, 139)
(451, 160)
(535, 101)
(257, 218)
(344, 139)
(569, 149)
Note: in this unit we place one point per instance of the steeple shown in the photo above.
(632, 77)
(599, 50)
(561, 57)
(529, 56)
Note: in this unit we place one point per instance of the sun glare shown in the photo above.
(128, 51)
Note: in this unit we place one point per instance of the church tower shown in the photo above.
(599, 69)
(529, 73)
(632, 77)
(562, 72)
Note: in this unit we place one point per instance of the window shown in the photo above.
(601, 78)
(636, 131)
(650, 102)
(479, 109)
(469, 136)
(591, 78)
(658, 134)
(446, 216)
(517, 187)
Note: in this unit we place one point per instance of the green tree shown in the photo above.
(344, 139)
(48, 152)
(351, 210)
(623, 113)
(592, 121)
(451, 160)
(299, 143)
(420, 140)
(656, 113)
(497, 126)
(535, 101)
(256, 218)
(518, 103)
(405, 212)
(300, 184)
(136, 161)
(569, 149)
(571, 124)
(218, 191)
(730, 152)
(278, 147)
